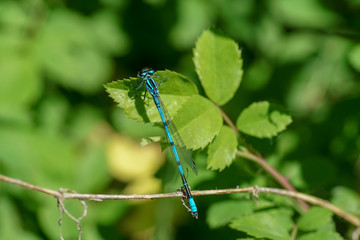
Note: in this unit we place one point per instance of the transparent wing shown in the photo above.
(183, 152)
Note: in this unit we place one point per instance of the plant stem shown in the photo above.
(63, 194)
(256, 157)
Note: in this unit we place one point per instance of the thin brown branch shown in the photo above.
(228, 121)
(61, 194)
(278, 177)
(356, 234)
(236, 131)
(315, 201)
(30, 186)
(254, 156)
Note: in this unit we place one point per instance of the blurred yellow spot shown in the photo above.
(143, 186)
(128, 162)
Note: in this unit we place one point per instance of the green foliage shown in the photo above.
(272, 224)
(346, 199)
(262, 120)
(63, 32)
(219, 66)
(197, 119)
(199, 122)
(58, 129)
(321, 235)
(123, 92)
(220, 214)
(222, 152)
(314, 219)
(354, 57)
(305, 14)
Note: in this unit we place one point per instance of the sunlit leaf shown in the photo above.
(262, 120)
(219, 65)
(272, 224)
(198, 122)
(315, 218)
(220, 214)
(174, 91)
(346, 199)
(222, 150)
(197, 119)
(321, 235)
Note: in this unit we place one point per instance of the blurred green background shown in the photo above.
(59, 129)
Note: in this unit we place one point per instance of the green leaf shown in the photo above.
(273, 224)
(251, 239)
(198, 122)
(20, 83)
(262, 120)
(221, 213)
(219, 66)
(354, 57)
(174, 91)
(305, 13)
(347, 199)
(321, 235)
(13, 16)
(222, 151)
(315, 218)
(175, 83)
(196, 118)
(67, 48)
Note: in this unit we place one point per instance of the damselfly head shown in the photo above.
(146, 71)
